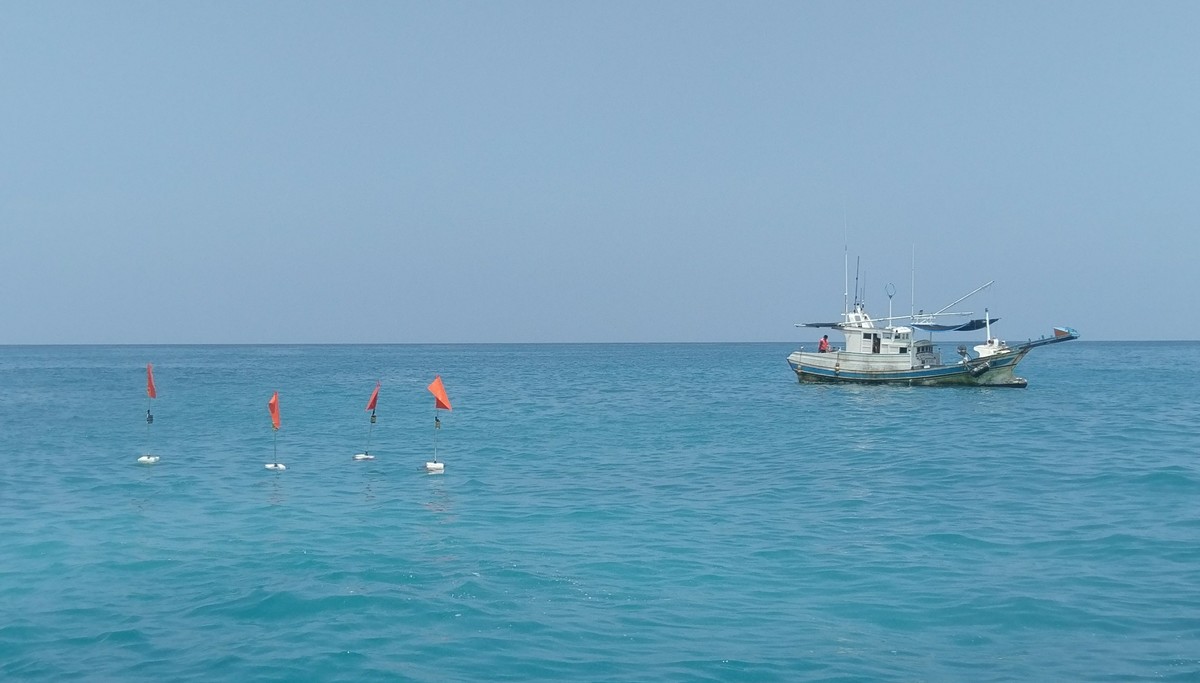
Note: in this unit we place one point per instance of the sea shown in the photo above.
(607, 512)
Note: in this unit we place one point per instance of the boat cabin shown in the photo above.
(862, 336)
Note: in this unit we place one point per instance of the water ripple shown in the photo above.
(608, 512)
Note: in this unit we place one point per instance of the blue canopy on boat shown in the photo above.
(977, 324)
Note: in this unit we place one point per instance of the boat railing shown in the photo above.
(833, 348)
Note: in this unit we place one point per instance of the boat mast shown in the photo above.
(912, 287)
(845, 270)
(857, 262)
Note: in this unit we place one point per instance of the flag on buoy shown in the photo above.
(273, 406)
(440, 400)
(374, 397)
(150, 390)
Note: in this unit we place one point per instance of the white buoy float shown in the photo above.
(435, 467)
(276, 466)
(363, 456)
(148, 459)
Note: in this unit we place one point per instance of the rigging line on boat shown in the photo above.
(919, 316)
(923, 316)
(973, 291)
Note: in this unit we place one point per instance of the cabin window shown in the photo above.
(903, 349)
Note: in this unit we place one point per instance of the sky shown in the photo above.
(611, 171)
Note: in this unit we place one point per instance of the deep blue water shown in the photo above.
(608, 513)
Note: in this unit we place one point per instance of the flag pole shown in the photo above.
(437, 429)
(366, 454)
(149, 421)
(370, 428)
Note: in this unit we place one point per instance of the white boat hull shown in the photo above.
(868, 368)
(854, 368)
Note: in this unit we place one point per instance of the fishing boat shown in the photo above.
(880, 351)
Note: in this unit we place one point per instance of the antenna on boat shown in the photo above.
(857, 261)
(845, 269)
(890, 289)
(912, 287)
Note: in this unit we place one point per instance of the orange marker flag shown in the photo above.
(273, 406)
(150, 390)
(440, 399)
(374, 397)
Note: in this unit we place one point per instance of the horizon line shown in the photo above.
(504, 343)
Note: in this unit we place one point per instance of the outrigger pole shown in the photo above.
(973, 291)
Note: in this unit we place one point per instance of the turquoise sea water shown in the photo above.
(607, 513)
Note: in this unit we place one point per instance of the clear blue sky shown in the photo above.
(220, 172)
